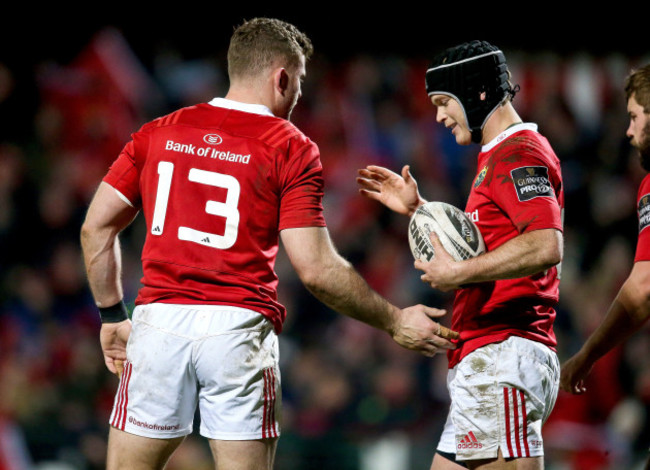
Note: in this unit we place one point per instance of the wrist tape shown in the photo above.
(114, 314)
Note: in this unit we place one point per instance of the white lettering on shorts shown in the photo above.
(155, 427)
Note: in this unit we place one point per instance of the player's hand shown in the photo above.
(441, 272)
(398, 193)
(573, 375)
(113, 338)
(415, 329)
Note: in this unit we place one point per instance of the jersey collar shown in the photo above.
(507, 133)
(239, 106)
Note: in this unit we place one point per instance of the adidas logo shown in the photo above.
(469, 442)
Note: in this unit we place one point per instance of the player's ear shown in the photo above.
(281, 80)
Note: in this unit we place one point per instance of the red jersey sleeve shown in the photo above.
(123, 175)
(643, 212)
(529, 190)
(302, 190)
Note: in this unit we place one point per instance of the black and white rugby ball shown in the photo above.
(458, 234)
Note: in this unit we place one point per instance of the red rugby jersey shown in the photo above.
(216, 183)
(643, 211)
(518, 188)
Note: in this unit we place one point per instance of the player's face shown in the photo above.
(639, 131)
(450, 113)
(294, 88)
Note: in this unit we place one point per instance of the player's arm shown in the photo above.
(524, 255)
(626, 315)
(107, 216)
(397, 192)
(335, 282)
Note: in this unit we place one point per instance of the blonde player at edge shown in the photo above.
(219, 184)
(504, 373)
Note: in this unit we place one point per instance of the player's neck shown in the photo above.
(502, 118)
(246, 94)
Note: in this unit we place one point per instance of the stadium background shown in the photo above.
(72, 91)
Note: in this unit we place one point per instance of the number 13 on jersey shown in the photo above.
(226, 209)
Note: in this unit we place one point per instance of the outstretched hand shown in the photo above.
(398, 193)
(113, 338)
(415, 329)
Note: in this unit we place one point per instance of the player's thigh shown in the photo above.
(443, 463)
(526, 463)
(440, 462)
(244, 455)
(128, 451)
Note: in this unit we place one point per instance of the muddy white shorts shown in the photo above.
(222, 359)
(501, 394)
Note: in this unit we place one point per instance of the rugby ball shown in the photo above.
(458, 234)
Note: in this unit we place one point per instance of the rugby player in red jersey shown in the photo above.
(630, 309)
(219, 184)
(504, 373)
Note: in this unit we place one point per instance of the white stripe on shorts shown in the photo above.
(269, 429)
(118, 420)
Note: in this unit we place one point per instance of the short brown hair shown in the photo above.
(637, 84)
(258, 43)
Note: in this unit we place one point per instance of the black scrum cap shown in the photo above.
(476, 75)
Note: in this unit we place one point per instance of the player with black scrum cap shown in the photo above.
(504, 374)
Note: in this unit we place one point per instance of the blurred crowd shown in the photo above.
(352, 398)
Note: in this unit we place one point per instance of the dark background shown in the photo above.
(338, 29)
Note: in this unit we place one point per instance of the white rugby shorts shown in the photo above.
(223, 359)
(501, 394)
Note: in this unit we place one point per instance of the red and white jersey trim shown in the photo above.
(528, 126)
(239, 106)
(123, 198)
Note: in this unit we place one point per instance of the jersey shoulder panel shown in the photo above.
(523, 150)
(166, 120)
(525, 146)
(272, 130)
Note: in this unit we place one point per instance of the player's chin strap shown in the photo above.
(477, 132)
